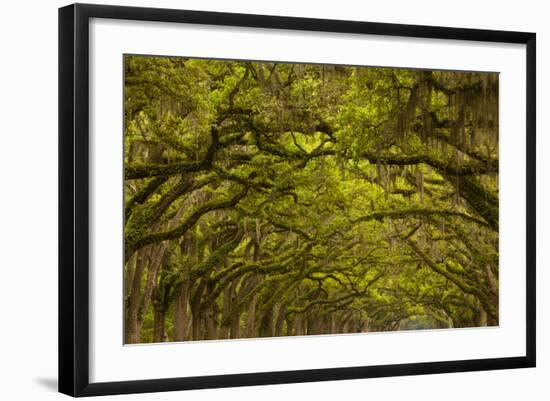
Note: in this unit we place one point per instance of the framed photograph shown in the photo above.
(251, 199)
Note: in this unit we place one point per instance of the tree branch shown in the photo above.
(418, 212)
(132, 246)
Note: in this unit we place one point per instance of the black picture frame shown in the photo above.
(74, 198)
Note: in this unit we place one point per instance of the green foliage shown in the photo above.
(267, 199)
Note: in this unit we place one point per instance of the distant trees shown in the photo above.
(267, 199)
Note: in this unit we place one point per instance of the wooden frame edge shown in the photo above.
(73, 200)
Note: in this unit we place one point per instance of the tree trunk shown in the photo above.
(281, 312)
(228, 294)
(251, 318)
(266, 324)
(298, 326)
(131, 326)
(181, 313)
(159, 319)
(211, 323)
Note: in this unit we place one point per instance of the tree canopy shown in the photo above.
(267, 199)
